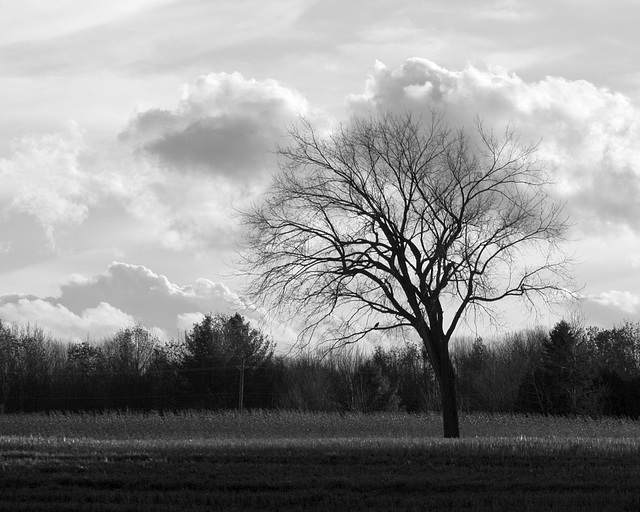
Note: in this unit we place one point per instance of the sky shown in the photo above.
(132, 132)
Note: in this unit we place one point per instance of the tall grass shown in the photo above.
(296, 425)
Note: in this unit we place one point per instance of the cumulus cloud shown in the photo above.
(187, 212)
(178, 174)
(123, 295)
(623, 300)
(224, 124)
(589, 134)
(196, 163)
(150, 298)
(99, 321)
(43, 178)
(611, 307)
(185, 321)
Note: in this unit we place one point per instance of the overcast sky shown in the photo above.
(131, 130)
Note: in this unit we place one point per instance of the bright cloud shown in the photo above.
(589, 134)
(626, 301)
(123, 295)
(612, 307)
(95, 322)
(150, 298)
(44, 179)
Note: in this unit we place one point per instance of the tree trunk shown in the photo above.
(449, 395)
(437, 349)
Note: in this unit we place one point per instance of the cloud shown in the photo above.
(181, 212)
(504, 10)
(150, 298)
(185, 321)
(43, 178)
(231, 146)
(611, 308)
(65, 16)
(626, 301)
(195, 164)
(224, 124)
(123, 295)
(178, 175)
(589, 134)
(137, 37)
(97, 322)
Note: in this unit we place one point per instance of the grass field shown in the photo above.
(292, 461)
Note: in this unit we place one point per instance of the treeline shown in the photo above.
(224, 363)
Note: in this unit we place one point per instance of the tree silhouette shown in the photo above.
(394, 222)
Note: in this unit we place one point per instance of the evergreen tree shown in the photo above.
(217, 353)
(564, 383)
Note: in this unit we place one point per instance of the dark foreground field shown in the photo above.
(315, 462)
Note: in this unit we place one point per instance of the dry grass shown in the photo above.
(292, 461)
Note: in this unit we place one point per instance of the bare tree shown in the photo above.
(391, 221)
(130, 350)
